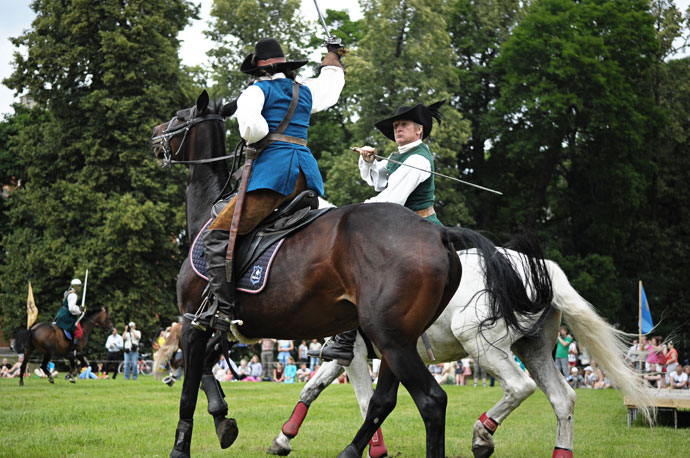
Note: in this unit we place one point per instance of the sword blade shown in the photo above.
(436, 173)
(323, 22)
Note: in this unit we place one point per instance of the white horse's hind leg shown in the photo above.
(324, 376)
(517, 387)
(536, 355)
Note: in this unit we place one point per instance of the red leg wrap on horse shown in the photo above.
(377, 448)
(562, 453)
(489, 423)
(291, 427)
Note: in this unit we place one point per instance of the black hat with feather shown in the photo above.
(419, 113)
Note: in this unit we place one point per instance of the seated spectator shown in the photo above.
(51, 368)
(590, 377)
(575, 379)
(679, 378)
(290, 370)
(279, 372)
(255, 370)
(14, 370)
(303, 373)
(447, 374)
(221, 370)
(101, 373)
(572, 355)
(436, 370)
(243, 371)
(656, 379)
(6, 366)
(86, 373)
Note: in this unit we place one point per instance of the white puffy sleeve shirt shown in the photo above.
(72, 304)
(398, 187)
(325, 91)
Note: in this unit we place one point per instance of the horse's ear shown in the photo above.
(202, 102)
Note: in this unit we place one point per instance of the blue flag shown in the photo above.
(646, 324)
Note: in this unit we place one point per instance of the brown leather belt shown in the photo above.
(426, 212)
(286, 138)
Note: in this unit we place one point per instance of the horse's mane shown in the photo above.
(93, 311)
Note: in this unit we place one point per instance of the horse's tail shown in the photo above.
(21, 340)
(509, 296)
(605, 344)
(166, 351)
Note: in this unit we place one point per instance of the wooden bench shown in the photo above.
(664, 399)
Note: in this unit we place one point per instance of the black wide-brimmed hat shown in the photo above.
(268, 55)
(418, 113)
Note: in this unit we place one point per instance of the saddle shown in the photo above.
(284, 221)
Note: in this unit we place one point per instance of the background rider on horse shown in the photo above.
(69, 313)
(411, 186)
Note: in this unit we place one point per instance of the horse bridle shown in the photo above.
(184, 128)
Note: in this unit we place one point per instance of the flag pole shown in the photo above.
(639, 324)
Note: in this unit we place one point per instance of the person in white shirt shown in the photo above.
(114, 345)
(678, 378)
(131, 338)
(405, 179)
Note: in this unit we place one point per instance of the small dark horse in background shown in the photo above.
(378, 266)
(50, 340)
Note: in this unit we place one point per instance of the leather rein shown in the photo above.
(184, 128)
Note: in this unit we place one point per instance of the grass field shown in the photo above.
(116, 418)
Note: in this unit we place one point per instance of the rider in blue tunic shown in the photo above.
(285, 167)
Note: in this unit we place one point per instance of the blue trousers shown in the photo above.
(131, 357)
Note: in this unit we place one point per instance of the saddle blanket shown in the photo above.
(253, 280)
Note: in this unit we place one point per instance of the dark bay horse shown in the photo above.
(379, 266)
(50, 340)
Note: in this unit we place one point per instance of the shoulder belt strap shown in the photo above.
(277, 135)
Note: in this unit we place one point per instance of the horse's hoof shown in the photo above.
(179, 454)
(279, 449)
(51, 380)
(482, 451)
(72, 380)
(227, 432)
(350, 452)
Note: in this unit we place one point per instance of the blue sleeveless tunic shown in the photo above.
(278, 166)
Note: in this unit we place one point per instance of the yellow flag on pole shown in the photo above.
(31, 310)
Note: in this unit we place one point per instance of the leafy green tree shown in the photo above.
(236, 27)
(576, 117)
(103, 74)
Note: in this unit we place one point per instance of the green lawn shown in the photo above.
(118, 418)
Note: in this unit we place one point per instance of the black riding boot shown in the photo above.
(338, 348)
(215, 247)
(73, 346)
(183, 439)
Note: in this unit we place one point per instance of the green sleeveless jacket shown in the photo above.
(65, 319)
(423, 196)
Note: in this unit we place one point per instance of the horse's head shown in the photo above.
(193, 133)
(103, 319)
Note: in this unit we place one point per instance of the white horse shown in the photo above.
(459, 332)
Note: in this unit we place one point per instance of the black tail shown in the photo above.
(509, 299)
(21, 339)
